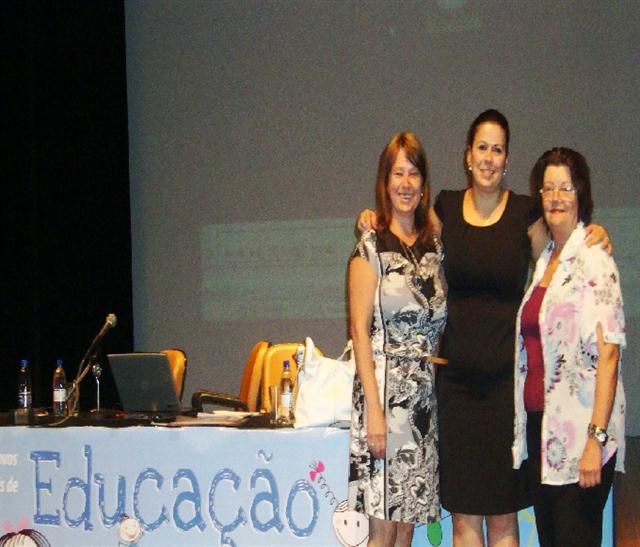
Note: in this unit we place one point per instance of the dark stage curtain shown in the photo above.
(66, 238)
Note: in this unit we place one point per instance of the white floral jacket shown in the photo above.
(584, 291)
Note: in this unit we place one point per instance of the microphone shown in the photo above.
(110, 322)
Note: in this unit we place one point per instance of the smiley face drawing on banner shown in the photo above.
(129, 532)
(351, 528)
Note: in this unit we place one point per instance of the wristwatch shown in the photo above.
(598, 433)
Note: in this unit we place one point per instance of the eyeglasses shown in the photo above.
(564, 192)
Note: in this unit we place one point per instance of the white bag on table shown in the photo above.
(325, 388)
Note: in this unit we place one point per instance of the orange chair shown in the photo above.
(249, 387)
(178, 364)
(252, 376)
(272, 368)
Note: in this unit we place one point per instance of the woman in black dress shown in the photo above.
(488, 234)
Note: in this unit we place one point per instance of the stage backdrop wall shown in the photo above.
(65, 245)
(255, 129)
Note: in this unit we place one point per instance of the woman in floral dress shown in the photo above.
(397, 313)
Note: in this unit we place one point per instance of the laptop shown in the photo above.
(145, 385)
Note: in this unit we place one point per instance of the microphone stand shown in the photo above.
(86, 363)
(73, 389)
(96, 369)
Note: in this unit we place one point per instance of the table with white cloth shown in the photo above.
(189, 486)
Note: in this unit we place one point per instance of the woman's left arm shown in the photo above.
(596, 234)
(606, 383)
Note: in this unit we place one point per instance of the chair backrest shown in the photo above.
(272, 367)
(178, 363)
(252, 376)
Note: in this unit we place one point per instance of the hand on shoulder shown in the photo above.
(367, 220)
(597, 235)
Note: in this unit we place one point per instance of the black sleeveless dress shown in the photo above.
(486, 270)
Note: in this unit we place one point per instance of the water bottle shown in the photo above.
(24, 386)
(59, 390)
(286, 395)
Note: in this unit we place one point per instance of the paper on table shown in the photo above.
(223, 417)
(226, 413)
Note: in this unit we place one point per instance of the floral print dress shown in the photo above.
(408, 319)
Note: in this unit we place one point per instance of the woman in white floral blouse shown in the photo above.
(569, 399)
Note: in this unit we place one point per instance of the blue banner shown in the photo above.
(189, 486)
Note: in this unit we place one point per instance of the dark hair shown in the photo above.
(580, 178)
(38, 538)
(492, 116)
(414, 151)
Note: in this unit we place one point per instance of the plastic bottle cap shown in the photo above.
(286, 364)
(24, 362)
(59, 362)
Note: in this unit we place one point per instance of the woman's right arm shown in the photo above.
(362, 286)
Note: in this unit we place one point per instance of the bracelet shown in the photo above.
(436, 360)
(598, 433)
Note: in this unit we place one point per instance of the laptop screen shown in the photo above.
(144, 383)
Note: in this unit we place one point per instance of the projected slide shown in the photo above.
(280, 269)
(297, 269)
